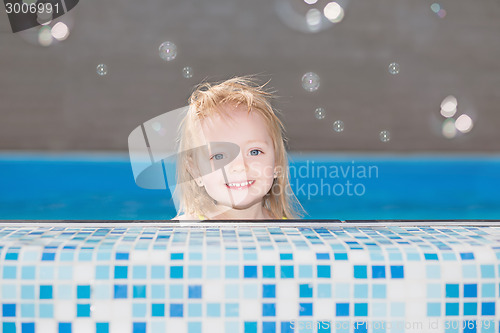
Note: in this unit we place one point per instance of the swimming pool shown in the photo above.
(289, 277)
(329, 186)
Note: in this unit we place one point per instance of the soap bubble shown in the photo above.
(102, 69)
(310, 16)
(441, 13)
(319, 113)
(44, 36)
(310, 81)
(338, 126)
(187, 72)
(156, 126)
(394, 68)
(44, 17)
(464, 123)
(313, 19)
(435, 7)
(385, 136)
(334, 12)
(48, 33)
(60, 31)
(168, 51)
(449, 129)
(449, 106)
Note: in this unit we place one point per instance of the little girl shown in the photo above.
(232, 159)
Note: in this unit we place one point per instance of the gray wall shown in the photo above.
(52, 99)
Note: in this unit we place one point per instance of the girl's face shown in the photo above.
(241, 152)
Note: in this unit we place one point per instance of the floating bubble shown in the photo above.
(435, 7)
(60, 31)
(449, 103)
(449, 106)
(44, 36)
(464, 123)
(449, 130)
(338, 126)
(39, 35)
(334, 12)
(187, 72)
(385, 136)
(309, 16)
(310, 81)
(313, 19)
(168, 51)
(44, 17)
(441, 13)
(319, 113)
(448, 114)
(394, 68)
(156, 126)
(102, 69)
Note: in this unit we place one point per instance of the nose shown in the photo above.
(238, 164)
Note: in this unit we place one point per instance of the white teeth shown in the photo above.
(240, 184)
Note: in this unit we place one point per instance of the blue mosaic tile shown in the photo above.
(248, 279)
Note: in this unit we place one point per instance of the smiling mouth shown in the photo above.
(240, 186)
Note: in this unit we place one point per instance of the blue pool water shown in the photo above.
(101, 186)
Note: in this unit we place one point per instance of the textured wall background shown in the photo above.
(52, 99)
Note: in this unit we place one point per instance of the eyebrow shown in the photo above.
(256, 141)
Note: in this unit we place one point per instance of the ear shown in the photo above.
(276, 172)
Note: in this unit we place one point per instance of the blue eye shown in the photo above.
(218, 156)
(255, 152)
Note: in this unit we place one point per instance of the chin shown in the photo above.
(243, 204)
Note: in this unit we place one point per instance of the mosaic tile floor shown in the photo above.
(249, 279)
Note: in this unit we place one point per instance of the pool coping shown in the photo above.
(246, 223)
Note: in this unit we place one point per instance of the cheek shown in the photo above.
(263, 169)
(213, 179)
